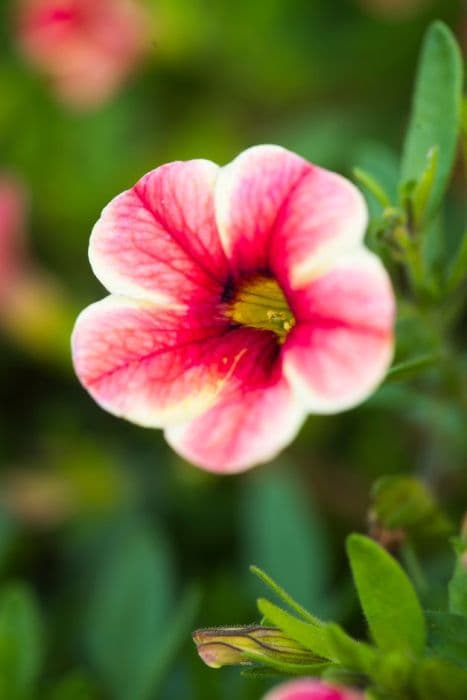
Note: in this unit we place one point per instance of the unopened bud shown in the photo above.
(232, 646)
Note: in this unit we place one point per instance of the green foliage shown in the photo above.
(283, 534)
(404, 503)
(21, 642)
(390, 604)
(435, 120)
(458, 582)
(127, 620)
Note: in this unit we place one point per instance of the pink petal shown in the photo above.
(276, 210)
(254, 418)
(250, 194)
(159, 240)
(324, 217)
(311, 689)
(152, 365)
(342, 345)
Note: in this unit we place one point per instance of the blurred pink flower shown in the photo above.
(12, 205)
(311, 689)
(85, 47)
(241, 298)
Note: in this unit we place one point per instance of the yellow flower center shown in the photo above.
(260, 303)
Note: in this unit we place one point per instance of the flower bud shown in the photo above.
(230, 646)
(311, 689)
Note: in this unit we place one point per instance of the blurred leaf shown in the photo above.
(75, 686)
(447, 636)
(424, 187)
(387, 596)
(127, 620)
(21, 642)
(401, 502)
(179, 631)
(440, 680)
(458, 584)
(374, 187)
(458, 270)
(436, 110)
(282, 533)
(409, 368)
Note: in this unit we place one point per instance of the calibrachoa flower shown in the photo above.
(11, 235)
(310, 689)
(242, 298)
(85, 47)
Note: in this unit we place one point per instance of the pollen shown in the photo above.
(259, 302)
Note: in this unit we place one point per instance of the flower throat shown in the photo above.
(259, 302)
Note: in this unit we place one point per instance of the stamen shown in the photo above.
(260, 303)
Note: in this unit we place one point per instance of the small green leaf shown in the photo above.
(388, 599)
(424, 187)
(310, 636)
(458, 269)
(20, 642)
(369, 183)
(436, 111)
(283, 595)
(447, 636)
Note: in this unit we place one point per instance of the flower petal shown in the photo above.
(250, 194)
(342, 344)
(159, 240)
(152, 365)
(311, 689)
(253, 418)
(324, 217)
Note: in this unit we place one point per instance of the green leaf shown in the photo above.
(447, 636)
(283, 595)
(440, 680)
(73, 687)
(310, 636)
(282, 532)
(20, 642)
(388, 599)
(409, 368)
(352, 654)
(458, 269)
(458, 584)
(424, 187)
(128, 616)
(436, 111)
(369, 183)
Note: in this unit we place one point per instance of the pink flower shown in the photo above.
(242, 298)
(310, 689)
(11, 235)
(86, 47)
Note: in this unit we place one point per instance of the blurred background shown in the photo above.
(112, 549)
